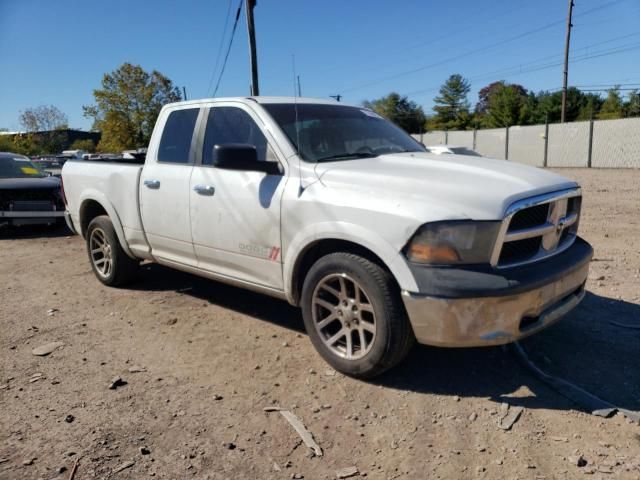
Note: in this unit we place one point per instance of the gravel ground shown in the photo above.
(213, 357)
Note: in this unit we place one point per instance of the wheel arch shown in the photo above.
(297, 264)
(92, 206)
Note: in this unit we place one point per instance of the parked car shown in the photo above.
(451, 150)
(338, 211)
(49, 164)
(28, 195)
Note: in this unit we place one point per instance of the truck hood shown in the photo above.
(425, 185)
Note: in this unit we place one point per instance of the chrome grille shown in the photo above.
(537, 228)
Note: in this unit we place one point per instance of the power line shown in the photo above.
(224, 34)
(478, 50)
(226, 57)
(535, 66)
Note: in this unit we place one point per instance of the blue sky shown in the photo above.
(55, 52)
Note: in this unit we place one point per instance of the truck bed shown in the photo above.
(112, 184)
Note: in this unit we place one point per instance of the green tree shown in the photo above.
(613, 106)
(400, 110)
(591, 105)
(633, 105)
(48, 121)
(451, 105)
(127, 106)
(503, 105)
(87, 145)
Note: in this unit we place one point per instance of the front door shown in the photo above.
(164, 189)
(235, 215)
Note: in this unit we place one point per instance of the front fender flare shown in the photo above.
(357, 234)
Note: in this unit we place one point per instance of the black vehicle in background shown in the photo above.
(28, 195)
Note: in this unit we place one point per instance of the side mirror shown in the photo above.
(241, 156)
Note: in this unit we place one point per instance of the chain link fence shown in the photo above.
(596, 143)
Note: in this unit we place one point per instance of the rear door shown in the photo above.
(235, 215)
(164, 187)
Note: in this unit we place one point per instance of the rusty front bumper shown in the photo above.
(485, 321)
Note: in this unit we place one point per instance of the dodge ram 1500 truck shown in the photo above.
(340, 212)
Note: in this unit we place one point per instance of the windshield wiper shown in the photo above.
(346, 156)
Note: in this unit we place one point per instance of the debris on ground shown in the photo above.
(347, 472)
(137, 369)
(624, 325)
(47, 348)
(298, 426)
(123, 466)
(586, 400)
(74, 469)
(52, 311)
(117, 382)
(29, 461)
(145, 451)
(69, 418)
(509, 416)
(578, 461)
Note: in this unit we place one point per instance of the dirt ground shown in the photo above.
(214, 356)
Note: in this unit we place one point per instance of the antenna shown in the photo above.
(295, 109)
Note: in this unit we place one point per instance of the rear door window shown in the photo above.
(175, 144)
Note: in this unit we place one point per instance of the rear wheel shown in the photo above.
(109, 262)
(354, 315)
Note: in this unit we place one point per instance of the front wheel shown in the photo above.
(354, 315)
(109, 262)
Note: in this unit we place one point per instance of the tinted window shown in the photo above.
(176, 137)
(232, 125)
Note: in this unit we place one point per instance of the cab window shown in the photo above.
(227, 125)
(175, 143)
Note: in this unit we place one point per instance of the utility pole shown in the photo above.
(253, 60)
(184, 93)
(565, 74)
(336, 97)
(299, 89)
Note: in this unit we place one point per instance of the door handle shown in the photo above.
(204, 189)
(153, 184)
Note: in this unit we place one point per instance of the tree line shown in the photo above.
(502, 104)
(129, 100)
(125, 110)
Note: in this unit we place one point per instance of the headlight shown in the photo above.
(454, 242)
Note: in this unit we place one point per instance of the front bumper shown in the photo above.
(30, 218)
(508, 307)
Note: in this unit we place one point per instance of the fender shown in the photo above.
(369, 239)
(97, 196)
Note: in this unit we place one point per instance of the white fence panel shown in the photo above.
(616, 143)
(433, 138)
(490, 143)
(568, 145)
(526, 145)
(462, 138)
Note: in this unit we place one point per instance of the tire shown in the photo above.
(375, 318)
(111, 265)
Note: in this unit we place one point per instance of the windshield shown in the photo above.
(338, 132)
(19, 167)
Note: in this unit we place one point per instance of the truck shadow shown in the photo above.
(584, 348)
(34, 231)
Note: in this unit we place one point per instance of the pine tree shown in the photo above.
(452, 106)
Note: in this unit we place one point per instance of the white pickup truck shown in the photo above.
(335, 209)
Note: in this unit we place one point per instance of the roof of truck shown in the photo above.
(261, 99)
